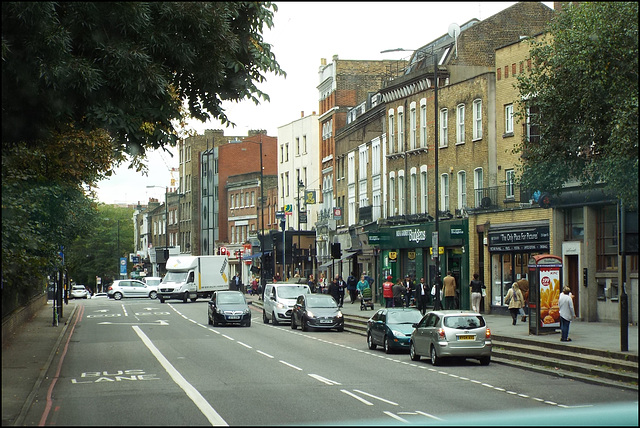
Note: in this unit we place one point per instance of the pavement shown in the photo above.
(29, 353)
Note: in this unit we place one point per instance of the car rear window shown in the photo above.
(464, 321)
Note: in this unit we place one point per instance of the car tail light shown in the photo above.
(110, 288)
(488, 333)
(441, 334)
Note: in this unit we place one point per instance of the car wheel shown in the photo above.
(370, 343)
(248, 323)
(215, 322)
(412, 353)
(387, 347)
(153, 295)
(117, 296)
(293, 323)
(274, 319)
(264, 318)
(341, 328)
(303, 324)
(435, 360)
(485, 361)
(186, 297)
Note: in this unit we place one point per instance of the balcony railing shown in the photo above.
(500, 197)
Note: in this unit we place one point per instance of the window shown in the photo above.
(304, 144)
(573, 224)
(444, 138)
(424, 190)
(532, 130)
(460, 124)
(423, 122)
(281, 153)
(401, 143)
(477, 119)
(392, 196)
(462, 189)
(607, 238)
(286, 152)
(401, 200)
(478, 184)
(412, 125)
(375, 157)
(413, 196)
(510, 176)
(391, 132)
(508, 119)
(286, 184)
(298, 146)
(444, 190)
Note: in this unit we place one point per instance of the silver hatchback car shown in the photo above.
(451, 333)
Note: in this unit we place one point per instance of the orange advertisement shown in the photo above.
(549, 294)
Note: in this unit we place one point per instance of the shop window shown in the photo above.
(607, 289)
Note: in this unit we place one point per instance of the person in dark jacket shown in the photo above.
(476, 292)
(352, 288)
(342, 287)
(333, 288)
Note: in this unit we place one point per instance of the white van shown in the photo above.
(279, 299)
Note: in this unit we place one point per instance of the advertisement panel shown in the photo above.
(549, 286)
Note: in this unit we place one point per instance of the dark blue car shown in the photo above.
(391, 328)
(229, 307)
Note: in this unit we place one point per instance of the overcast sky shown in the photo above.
(303, 33)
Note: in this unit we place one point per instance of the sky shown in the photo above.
(302, 34)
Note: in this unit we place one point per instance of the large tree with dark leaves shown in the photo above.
(584, 83)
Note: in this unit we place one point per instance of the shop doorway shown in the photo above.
(573, 281)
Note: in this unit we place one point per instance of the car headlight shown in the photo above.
(280, 306)
(220, 311)
(310, 314)
(247, 311)
(339, 315)
(397, 333)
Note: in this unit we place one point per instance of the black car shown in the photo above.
(229, 307)
(316, 311)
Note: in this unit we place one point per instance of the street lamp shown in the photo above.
(300, 187)
(435, 245)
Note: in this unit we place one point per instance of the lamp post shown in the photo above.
(300, 187)
(166, 222)
(435, 239)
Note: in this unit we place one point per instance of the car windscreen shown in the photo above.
(315, 301)
(292, 291)
(78, 287)
(175, 277)
(230, 299)
(464, 321)
(403, 317)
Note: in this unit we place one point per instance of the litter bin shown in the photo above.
(545, 285)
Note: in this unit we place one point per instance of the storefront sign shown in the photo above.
(527, 239)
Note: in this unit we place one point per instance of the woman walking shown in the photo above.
(515, 301)
(476, 292)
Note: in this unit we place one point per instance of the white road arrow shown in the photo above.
(159, 322)
(149, 309)
(102, 310)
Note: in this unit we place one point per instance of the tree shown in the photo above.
(130, 68)
(584, 83)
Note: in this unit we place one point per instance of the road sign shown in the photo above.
(288, 209)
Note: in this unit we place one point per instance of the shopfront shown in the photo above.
(407, 250)
(510, 248)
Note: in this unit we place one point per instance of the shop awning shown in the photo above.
(345, 256)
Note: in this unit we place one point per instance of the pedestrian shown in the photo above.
(254, 286)
(567, 312)
(387, 292)
(342, 287)
(322, 284)
(369, 279)
(436, 292)
(398, 294)
(476, 292)
(333, 288)
(422, 291)
(312, 283)
(409, 287)
(523, 285)
(352, 287)
(515, 301)
(362, 284)
(449, 291)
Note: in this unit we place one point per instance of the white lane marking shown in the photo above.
(124, 310)
(428, 415)
(228, 337)
(245, 345)
(212, 416)
(376, 397)
(398, 418)
(265, 354)
(290, 365)
(368, 403)
(324, 379)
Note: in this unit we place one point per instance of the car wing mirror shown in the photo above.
(414, 325)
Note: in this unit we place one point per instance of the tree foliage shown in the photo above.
(584, 80)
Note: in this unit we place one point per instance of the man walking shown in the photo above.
(422, 295)
(408, 285)
(342, 287)
(449, 291)
(387, 292)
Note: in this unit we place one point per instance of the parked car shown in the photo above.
(316, 311)
(228, 307)
(79, 292)
(279, 298)
(131, 288)
(451, 333)
(99, 295)
(391, 328)
(152, 280)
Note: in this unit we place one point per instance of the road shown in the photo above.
(140, 362)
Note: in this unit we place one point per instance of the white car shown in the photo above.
(79, 292)
(131, 288)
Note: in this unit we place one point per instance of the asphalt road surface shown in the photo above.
(140, 362)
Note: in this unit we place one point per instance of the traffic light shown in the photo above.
(336, 251)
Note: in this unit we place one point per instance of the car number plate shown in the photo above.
(234, 317)
(326, 321)
(467, 337)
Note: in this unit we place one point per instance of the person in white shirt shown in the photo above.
(567, 313)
